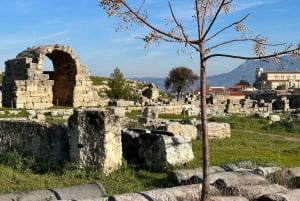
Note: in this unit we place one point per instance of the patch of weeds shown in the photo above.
(13, 113)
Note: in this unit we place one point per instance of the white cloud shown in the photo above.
(246, 4)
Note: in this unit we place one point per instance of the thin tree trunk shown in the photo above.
(205, 144)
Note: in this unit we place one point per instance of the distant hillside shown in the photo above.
(245, 71)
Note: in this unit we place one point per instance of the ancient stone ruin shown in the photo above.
(92, 139)
(26, 85)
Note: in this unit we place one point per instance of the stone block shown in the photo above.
(119, 111)
(178, 193)
(291, 195)
(292, 176)
(218, 130)
(178, 129)
(151, 112)
(157, 149)
(95, 140)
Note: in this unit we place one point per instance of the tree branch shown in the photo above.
(180, 28)
(243, 40)
(141, 6)
(227, 27)
(215, 17)
(138, 17)
(254, 57)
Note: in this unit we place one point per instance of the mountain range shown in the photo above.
(245, 71)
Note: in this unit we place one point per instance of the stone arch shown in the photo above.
(26, 85)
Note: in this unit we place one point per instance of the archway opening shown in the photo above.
(63, 74)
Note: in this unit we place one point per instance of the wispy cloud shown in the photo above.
(246, 4)
(32, 38)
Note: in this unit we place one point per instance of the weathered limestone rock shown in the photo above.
(156, 148)
(239, 178)
(118, 111)
(188, 192)
(178, 149)
(245, 184)
(218, 130)
(252, 192)
(291, 195)
(120, 103)
(150, 112)
(26, 85)
(151, 92)
(229, 198)
(191, 111)
(193, 176)
(37, 140)
(178, 129)
(95, 140)
(265, 171)
(80, 192)
(274, 118)
(292, 176)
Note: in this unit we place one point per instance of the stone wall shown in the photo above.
(39, 141)
(92, 139)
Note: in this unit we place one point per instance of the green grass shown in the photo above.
(176, 116)
(13, 113)
(133, 114)
(99, 80)
(247, 143)
(262, 150)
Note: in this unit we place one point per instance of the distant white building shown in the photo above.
(276, 80)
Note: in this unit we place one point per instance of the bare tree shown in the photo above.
(204, 41)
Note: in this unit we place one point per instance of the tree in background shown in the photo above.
(180, 79)
(117, 85)
(206, 39)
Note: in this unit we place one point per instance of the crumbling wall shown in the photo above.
(92, 140)
(37, 140)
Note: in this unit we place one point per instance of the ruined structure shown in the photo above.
(26, 85)
(92, 139)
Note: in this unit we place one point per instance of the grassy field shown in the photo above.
(251, 139)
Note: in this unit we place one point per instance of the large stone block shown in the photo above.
(156, 148)
(95, 140)
(151, 112)
(218, 130)
(178, 129)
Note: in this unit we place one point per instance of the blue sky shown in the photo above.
(84, 26)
